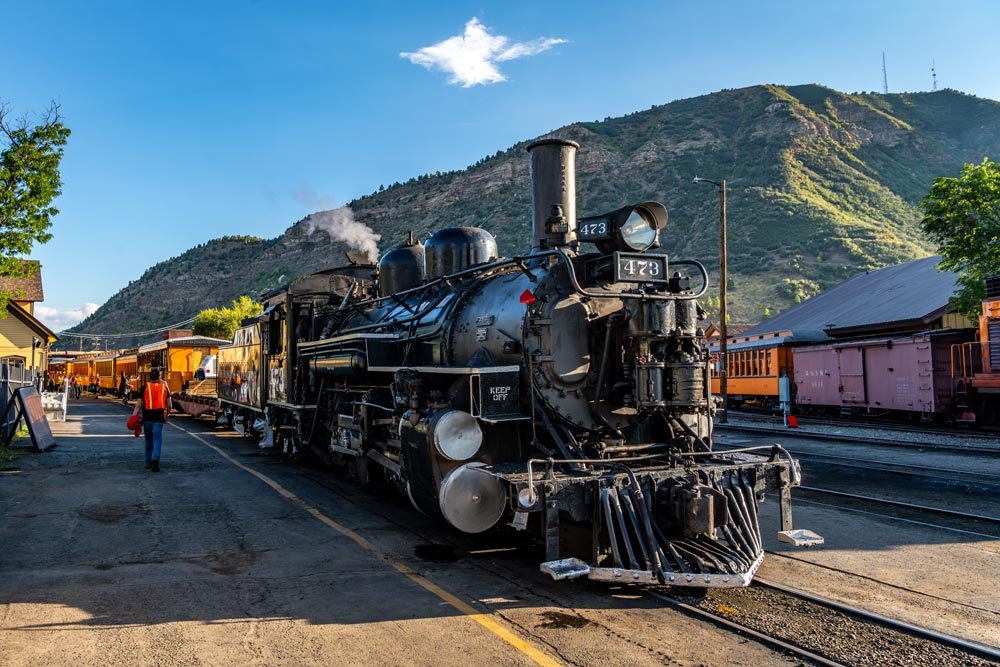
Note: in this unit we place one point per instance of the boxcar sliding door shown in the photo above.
(852, 376)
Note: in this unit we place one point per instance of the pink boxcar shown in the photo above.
(816, 375)
(905, 373)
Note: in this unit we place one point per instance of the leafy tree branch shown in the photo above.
(30, 154)
(962, 216)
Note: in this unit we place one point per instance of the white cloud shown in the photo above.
(471, 58)
(57, 320)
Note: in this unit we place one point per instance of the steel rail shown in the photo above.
(808, 435)
(912, 506)
(900, 519)
(926, 633)
(745, 630)
(870, 423)
(888, 466)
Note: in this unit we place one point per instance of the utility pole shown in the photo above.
(885, 78)
(723, 286)
(723, 280)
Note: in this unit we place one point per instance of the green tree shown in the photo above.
(223, 322)
(29, 181)
(962, 216)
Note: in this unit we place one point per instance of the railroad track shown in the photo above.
(745, 629)
(804, 652)
(859, 440)
(983, 650)
(909, 469)
(912, 513)
(813, 655)
(923, 511)
(818, 654)
(989, 434)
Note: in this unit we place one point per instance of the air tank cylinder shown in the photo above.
(553, 193)
(401, 268)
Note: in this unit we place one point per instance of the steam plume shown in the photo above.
(340, 224)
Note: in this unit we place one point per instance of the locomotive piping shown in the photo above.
(518, 261)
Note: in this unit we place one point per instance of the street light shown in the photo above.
(723, 372)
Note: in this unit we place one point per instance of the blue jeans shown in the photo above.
(154, 439)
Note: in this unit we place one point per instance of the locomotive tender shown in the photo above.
(564, 392)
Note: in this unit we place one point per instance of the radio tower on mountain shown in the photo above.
(933, 77)
(885, 78)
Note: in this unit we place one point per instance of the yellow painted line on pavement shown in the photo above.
(485, 620)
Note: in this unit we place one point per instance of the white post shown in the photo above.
(785, 397)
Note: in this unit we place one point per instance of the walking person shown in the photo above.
(122, 386)
(154, 403)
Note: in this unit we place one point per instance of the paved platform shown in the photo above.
(229, 557)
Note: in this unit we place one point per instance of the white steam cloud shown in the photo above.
(471, 58)
(340, 224)
(57, 319)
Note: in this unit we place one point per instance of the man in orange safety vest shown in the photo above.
(154, 404)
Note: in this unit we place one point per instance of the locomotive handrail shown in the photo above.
(434, 302)
(629, 295)
(968, 364)
(519, 262)
(618, 463)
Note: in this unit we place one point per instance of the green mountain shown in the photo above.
(821, 184)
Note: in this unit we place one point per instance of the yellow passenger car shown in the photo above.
(176, 358)
(83, 369)
(104, 371)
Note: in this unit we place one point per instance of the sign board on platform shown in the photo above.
(28, 404)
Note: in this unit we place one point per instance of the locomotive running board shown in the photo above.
(573, 568)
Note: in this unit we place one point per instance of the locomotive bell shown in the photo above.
(553, 193)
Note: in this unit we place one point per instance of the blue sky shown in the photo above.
(196, 120)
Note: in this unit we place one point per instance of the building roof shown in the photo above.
(28, 288)
(186, 341)
(909, 294)
(771, 340)
(32, 322)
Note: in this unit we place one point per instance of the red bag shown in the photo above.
(134, 424)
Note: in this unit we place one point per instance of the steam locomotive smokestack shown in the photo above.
(553, 193)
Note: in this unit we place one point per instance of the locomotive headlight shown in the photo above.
(638, 232)
(630, 228)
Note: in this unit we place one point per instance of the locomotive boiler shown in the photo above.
(563, 391)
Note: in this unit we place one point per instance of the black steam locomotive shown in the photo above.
(562, 392)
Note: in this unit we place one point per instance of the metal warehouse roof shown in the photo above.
(907, 294)
(780, 338)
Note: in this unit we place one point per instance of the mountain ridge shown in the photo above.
(821, 184)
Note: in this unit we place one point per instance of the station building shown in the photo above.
(24, 340)
(909, 297)
(900, 317)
